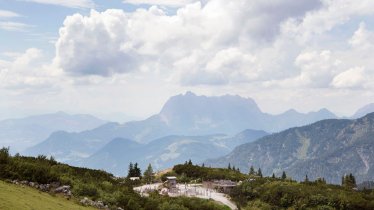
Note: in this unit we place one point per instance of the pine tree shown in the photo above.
(148, 174)
(349, 181)
(273, 176)
(229, 167)
(137, 171)
(306, 178)
(233, 168)
(238, 169)
(189, 162)
(259, 173)
(252, 171)
(131, 170)
(203, 165)
(284, 176)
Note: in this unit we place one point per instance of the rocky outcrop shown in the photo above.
(98, 204)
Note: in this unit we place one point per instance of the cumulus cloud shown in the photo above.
(331, 14)
(116, 42)
(352, 78)
(27, 71)
(279, 43)
(362, 38)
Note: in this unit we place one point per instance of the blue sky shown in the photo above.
(43, 22)
(132, 55)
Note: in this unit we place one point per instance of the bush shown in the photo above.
(85, 190)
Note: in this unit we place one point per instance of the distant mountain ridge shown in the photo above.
(369, 108)
(165, 152)
(182, 115)
(328, 148)
(21, 133)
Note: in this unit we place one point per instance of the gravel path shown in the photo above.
(191, 191)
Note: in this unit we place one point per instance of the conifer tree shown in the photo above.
(137, 172)
(306, 178)
(229, 167)
(284, 176)
(259, 173)
(273, 176)
(349, 181)
(131, 169)
(252, 171)
(148, 174)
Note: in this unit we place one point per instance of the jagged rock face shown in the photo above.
(329, 149)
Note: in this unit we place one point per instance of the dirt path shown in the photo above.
(192, 191)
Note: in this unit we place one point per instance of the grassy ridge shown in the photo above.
(26, 198)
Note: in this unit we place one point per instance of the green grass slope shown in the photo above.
(13, 197)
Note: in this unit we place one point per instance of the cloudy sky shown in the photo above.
(107, 57)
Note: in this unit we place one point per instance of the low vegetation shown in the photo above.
(93, 184)
(187, 172)
(277, 193)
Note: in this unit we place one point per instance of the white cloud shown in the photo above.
(8, 14)
(115, 42)
(14, 26)
(95, 45)
(332, 14)
(171, 3)
(362, 38)
(67, 3)
(27, 71)
(303, 53)
(352, 78)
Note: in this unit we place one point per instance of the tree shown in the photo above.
(189, 162)
(259, 173)
(229, 167)
(252, 171)
(137, 172)
(273, 176)
(131, 170)
(4, 155)
(349, 181)
(148, 174)
(233, 168)
(306, 178)
(284, 176)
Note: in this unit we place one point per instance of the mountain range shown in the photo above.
(328, 148)
(369, 108)
(200, 128)
(182, 115)
(19, 134)
(166, 151)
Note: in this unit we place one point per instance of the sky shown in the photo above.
(125, 58)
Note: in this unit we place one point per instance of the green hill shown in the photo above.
(328, 148)
(20, 197)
